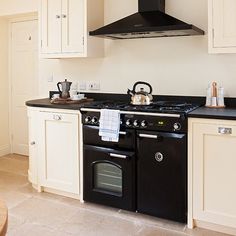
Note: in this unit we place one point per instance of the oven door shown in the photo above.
(109, 177)
(162, 175)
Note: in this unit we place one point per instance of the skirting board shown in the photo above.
(4, 150)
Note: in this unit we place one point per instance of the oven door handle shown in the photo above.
(150, 136)
(122, 133)
(118, 156)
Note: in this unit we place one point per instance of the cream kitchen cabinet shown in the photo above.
(58, 151)
(33, 146)
(54, 151)
(65, 25)
(212, 174)
(222, 26)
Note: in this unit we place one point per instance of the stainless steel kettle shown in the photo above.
(141, 97)
(65, 89)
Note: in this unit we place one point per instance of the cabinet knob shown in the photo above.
(223, 130)
(32, 143)
(57, 117)
(63, 16)
(58, 16)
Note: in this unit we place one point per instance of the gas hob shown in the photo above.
(156, 107)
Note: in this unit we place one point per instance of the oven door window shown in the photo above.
(107, 178)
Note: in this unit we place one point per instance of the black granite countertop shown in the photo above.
(214, 113)
(45, 102)
(201, 112)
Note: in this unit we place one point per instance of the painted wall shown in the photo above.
(4, 102)
(12, 7)
(176, 66)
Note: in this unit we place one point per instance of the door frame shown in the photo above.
(15, 19)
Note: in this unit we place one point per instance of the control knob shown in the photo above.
(144, 124)
(87, 119)
(94, 120)
(177, 126)
(136, 123)
(128, 122)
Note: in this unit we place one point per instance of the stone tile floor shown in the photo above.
(43, 214)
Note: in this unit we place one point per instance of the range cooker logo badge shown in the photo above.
(159, 157)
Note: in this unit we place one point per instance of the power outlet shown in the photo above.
(50, 78)
(94, 86)
(82, 85)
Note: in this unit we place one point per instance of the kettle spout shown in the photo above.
(130, 92)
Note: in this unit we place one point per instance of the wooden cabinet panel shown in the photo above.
(222, 26)
(65, 26)
(73, 26)
(51, 26)
(59, 156)
(33, 146)
(213, 160)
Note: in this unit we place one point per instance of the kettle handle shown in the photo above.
(141, 82)
(59, 86)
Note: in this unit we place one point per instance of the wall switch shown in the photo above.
(50, 78)
(94, 86)
(82, 85)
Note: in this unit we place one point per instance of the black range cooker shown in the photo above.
(146, 171)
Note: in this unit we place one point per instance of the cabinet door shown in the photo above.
(73, 26)
(33, 146)
(214, 175)
(59, 157)
(224, 23)
(51, 26)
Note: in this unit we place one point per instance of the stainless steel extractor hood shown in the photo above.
(149, 22)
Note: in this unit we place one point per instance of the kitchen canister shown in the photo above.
(215, 96)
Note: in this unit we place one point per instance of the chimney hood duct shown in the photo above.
(150, 21)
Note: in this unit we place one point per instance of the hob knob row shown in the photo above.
(136, 123)
(93, 120)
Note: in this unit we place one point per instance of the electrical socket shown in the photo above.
(50, 78)
(82, 85)
(95, 86)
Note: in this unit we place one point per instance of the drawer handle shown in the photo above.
(148, 136)
(118, 156)
(122, 133)
(57, 117)
(222, 130)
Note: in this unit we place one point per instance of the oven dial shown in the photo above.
(87, 119)
(136, 123)
(94, 120)
(144, 124)
(177, 126)
(128, 122)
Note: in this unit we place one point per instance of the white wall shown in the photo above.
(176, 66)
(4, 116)
(12, 7)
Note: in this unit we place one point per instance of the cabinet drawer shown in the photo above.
(91, 137)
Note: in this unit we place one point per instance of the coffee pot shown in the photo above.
(65, 88)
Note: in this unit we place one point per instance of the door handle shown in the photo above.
(118, 156)
(150, 136)
(223, 130)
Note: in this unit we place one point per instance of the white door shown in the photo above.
(58, 151)
(51, 26)
(73, 26)
(24, 63)
(224, 23)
